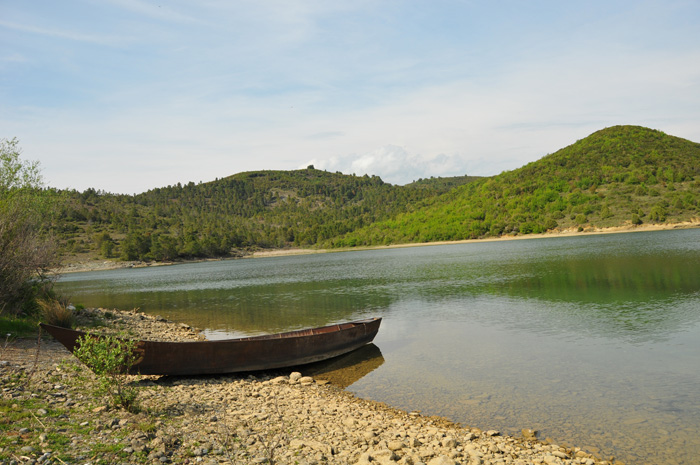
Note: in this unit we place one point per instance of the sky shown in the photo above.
(128, 95)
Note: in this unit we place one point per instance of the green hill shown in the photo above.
(247, 210)
(618, 176)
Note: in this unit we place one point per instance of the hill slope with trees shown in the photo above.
(264, 209)
(619, 176)
(623, 175)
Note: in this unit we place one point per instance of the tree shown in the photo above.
(26, 251)
(15, 173)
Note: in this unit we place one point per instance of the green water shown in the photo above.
(594, 341)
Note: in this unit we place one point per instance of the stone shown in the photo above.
(395, 445)
(449, 442)
(42, 412)
(200, 452)
(279, 380)
(306, 380)
(529, 433)
(294, 377)
(384, 456)
(442, 460)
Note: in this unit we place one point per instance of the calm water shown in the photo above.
(594, 341)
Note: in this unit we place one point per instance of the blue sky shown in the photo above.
(128, 95)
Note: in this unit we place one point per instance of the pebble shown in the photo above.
(286, 419)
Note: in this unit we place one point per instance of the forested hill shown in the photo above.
(618, 176)
(247, 210)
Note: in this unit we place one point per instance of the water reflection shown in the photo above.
(347, 369)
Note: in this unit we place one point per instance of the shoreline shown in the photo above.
(261, 417)
(102, 265)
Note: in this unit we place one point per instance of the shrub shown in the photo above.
(27, 252)
(658, 213)
(110, 358)
(56, 312)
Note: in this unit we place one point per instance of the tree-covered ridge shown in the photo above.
(252, 209)
(617, 176)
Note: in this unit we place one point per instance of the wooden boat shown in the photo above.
(244, 354)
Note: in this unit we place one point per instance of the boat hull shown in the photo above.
(239, 355)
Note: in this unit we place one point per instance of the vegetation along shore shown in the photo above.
(49, 413)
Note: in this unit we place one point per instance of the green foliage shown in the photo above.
(248, 210)
(27, 251)
(110, 358)
(607, 179)
(15, 173)
(599, 181)
(12, 327)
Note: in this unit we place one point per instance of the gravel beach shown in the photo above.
(283, 418)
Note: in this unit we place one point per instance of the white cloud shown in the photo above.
(393, 164)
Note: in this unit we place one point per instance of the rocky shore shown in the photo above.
(48, 415)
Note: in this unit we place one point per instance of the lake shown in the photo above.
(592, 340)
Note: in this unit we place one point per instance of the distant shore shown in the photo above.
(102, 264)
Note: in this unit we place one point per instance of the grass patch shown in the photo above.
(17, 327)
(57, 312)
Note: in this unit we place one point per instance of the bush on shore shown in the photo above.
(27, 251)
